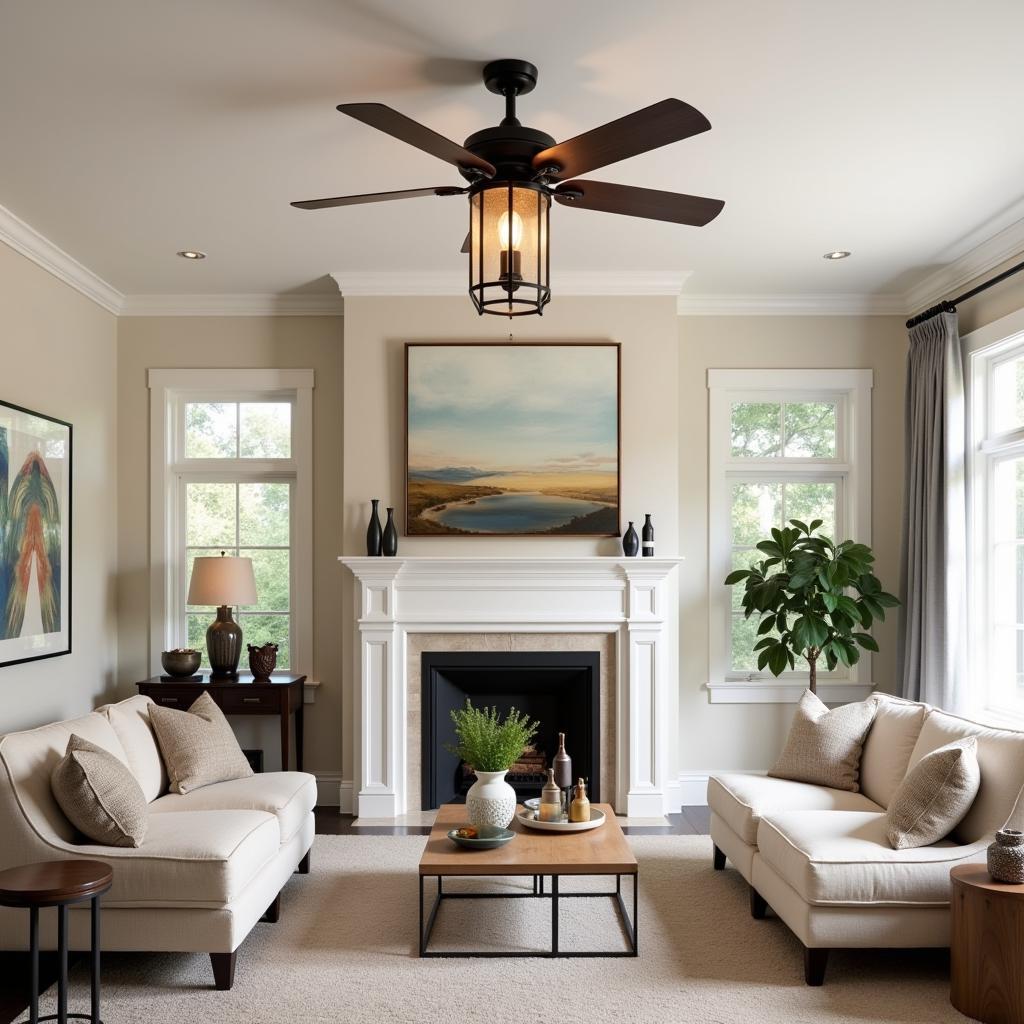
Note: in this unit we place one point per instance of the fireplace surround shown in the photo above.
(628, 604)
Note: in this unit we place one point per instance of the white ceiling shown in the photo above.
(131, 129)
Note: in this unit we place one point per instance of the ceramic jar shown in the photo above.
(491, 800)
(1006, 856)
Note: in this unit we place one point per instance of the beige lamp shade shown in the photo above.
(222, 580)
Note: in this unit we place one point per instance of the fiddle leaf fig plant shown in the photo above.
(816, 598)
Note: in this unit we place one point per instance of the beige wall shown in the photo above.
(375, 332)
(998, 301)
(252, 342)
(58, 353)
(714, 736)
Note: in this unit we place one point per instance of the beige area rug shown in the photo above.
(345, 951)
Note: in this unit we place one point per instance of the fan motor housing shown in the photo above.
(511, 148)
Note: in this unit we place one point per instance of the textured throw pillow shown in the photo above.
(824, 746)
(935, 796)
(198, 745)
(99, 795)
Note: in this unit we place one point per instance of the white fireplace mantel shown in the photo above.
(627, 597)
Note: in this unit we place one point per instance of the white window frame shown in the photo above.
(850, 389)
(985, 349)
(170, 471)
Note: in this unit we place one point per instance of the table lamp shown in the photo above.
(223, 582)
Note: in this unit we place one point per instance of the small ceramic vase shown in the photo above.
(630, 542)
(262, 661)
(1006, 856)
(491, 800)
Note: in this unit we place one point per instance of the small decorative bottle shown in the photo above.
(550, 800)
(579, 809)
(648, 536)
(630, 542)
(389, 544)
(563, 769)
(374, 537)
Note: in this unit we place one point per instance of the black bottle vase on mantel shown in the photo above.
(630, 542)
(648, 545)
(374, 537)
(389, 545)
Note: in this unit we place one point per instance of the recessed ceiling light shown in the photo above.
(192, 254)
(836, 254)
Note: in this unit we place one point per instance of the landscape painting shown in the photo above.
(512, 439)
(35, 535)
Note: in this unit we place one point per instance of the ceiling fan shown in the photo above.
(513, 172)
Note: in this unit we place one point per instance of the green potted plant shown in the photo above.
(490, 746)
(815, 598)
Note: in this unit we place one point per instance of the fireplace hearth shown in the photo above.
(560, 689)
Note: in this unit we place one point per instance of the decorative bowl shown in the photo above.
(488, 837)
(533, 804)
(528, 819)
(181, 664)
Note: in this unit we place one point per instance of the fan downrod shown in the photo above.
(517, 77)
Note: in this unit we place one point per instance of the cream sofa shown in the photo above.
(213, 861)
(819, 857)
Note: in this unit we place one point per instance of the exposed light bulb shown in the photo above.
(503, 230)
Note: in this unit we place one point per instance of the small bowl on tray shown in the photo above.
(480, 837)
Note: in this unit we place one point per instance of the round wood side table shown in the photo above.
(58, 884)
(986, 946)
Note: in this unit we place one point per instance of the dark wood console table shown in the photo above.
(281, 696)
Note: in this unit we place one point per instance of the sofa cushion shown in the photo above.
(824, 745)
(130, 720)
(99, 795)
(890, 742)
(844, 858)
(742, 800)
(934, 797)
(289, 796)
(29, 758)
(198, 745)
(1001, 759)
(190, 858)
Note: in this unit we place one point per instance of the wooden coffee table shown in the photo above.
(540, 855)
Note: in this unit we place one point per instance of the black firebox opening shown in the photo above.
(560, 689)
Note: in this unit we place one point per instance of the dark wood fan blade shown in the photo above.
(467, 243)
(639, 202)
(384, 119)
(378, 197)
(654, 126)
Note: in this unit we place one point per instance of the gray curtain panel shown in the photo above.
(932, 653)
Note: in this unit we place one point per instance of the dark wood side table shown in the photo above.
(58, 884)
(986, 956)
(282, 696)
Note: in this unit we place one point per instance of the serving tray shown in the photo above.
(528, 819)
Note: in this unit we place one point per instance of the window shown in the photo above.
(232, 472)
(996, 567)
(784, 444)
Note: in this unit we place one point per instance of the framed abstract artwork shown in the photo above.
(515, 439)
(35, 535)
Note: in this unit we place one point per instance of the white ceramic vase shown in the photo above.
(491, 800)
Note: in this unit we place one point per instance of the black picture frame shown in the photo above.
(20, 456)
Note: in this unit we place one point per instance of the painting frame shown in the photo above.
(470, 345)
(9, 471)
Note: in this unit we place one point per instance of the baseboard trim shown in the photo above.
(693, 785)
(327, 787)
(346, 796)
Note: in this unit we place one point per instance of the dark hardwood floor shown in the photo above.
(14, 967)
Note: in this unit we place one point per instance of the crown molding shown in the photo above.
(824, 304)
(980, 258)
(566, 282)
(234, 304)
(24, 239)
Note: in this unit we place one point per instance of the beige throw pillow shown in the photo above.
(198, 745)
(99, 795)
(935, 796)
(823, 746)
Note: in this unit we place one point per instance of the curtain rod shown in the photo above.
(949, 306)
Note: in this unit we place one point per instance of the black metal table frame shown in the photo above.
(538, 893)
(62, 1014)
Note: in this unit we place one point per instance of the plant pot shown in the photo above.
(491, 800)
(1006, 857)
